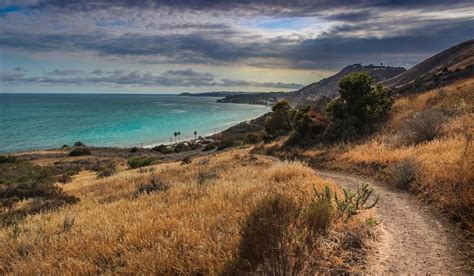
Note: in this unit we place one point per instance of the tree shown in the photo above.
(283, 109)
(195, 135)
(279, 121)
(360, 102)
(175, 136)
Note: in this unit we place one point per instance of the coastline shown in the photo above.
(206, 135)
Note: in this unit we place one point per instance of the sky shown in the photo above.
(172, 46)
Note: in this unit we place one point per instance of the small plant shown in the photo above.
(225, 144)
(423, 127)
(403, 174)
(164, 149)
(134, 149)
(7, 159)
(142, 161)
(352, 203)
(204, 177)
(155, 184)
(187, 160)
(80, 151)
(107, 170)
(79, 144)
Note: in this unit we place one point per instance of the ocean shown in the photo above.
(44, 121)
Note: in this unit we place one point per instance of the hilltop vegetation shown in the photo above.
(425, 146)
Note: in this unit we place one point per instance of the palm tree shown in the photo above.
(195, 133)
(175, 135)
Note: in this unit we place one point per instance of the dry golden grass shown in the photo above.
(445, 166)
(193, 227)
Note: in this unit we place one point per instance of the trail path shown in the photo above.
(414, 240)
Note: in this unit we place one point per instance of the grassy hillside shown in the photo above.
(426, 146)
(231, 212)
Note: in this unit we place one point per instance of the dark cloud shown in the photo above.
(332, 50)
(137, 78)
(20, 69)
(363, 32)
(67, 72)
(269, 7)
(356, 16)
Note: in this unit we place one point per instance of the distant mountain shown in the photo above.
(449, 65)
(328, 87)
(214, 94)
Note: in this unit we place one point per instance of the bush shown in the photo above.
(402, 174)
(155, 184)
(280, 235)
(204, 177)
(107, 170)
(27, 181)
(79, 144)
(8, 159)
(65, 146)
(224, 144)
(164, 149)
(209, 147)
(80, 151)
(134, 149)
(252, 138)
(425, 126)
(187, 160)
(181, 147)
(137, 162)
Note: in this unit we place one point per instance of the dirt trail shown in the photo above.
(413, 239)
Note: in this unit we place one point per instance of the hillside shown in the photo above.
(328, 87)
(230, 213)
(441, 69)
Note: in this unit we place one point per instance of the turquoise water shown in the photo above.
(43, 121)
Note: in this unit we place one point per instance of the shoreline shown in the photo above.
(206, 135)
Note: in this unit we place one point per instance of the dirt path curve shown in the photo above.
(413, 239)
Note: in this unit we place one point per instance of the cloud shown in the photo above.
(208, 32)
(136, 78)
(20, 69)
(68, 72)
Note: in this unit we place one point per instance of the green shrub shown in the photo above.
(181, 147)
(107, 170)
(134, 149)
(79, 144)
(23, 180)
(209, 147)
(137, 162)
(224, 144)
(352, 203)
(252, 138)
(80, 151)
(164, 149)
(8, 159)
